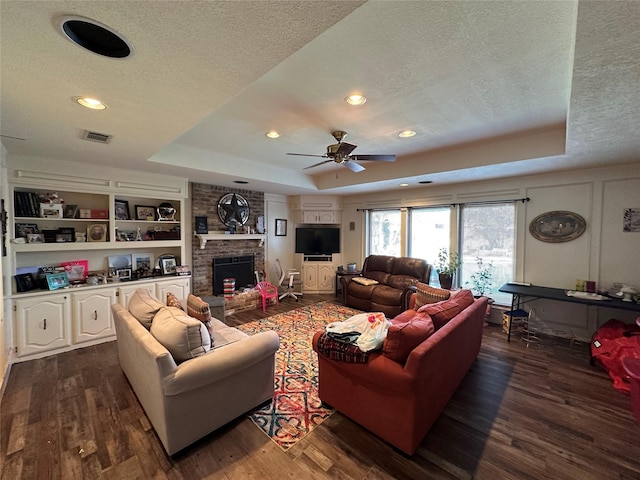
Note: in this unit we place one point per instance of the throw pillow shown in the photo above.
(144, 306)
(198, 308)
(404, 317)
(427, 294)
(402, 338)
(185, 337)
(172, 301)
(365, 281)
(444, 311)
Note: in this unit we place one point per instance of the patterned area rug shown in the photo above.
(296, 409)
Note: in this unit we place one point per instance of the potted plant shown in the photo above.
(482, 279)
(446, 265)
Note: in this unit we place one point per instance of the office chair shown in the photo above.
(289, 278)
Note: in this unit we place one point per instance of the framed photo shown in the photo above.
(122, 210)
(64, 237)
(35, 238)
(168, 265)
(97, 233)
(120, 262)
(57, 280)
(144, 212)
(281, 227)
(24, 229)
(124, 273)
(25, 282)
(142, 261)
(70, 211)
(51, 210)
(202, 225)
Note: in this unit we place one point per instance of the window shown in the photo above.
(488, 232)
(384, 232)
(430, 231)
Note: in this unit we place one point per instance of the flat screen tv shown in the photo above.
(317, 240)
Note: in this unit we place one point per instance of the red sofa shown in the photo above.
(400, 400)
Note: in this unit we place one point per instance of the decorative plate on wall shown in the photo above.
(557, 226)
(233, 209)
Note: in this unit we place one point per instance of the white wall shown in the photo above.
(281, 247)
(604, 253)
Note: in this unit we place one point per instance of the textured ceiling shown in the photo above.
(493, 89)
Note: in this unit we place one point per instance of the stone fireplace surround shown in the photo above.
(205, 203)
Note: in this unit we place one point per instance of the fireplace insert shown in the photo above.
(241, 268)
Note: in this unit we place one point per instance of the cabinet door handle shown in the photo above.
(45, 324)
(95, 315)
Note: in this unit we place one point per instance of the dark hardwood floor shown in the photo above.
(520, 413)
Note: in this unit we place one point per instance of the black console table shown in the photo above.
(535, 292)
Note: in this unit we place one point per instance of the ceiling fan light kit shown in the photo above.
(340, 153)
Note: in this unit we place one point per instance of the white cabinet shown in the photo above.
(180, 287)
(125, 292)
(42, 324)
(318, 216)
(92, 317)
(46, 323)
(318, 277)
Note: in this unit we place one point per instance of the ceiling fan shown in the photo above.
(341, 153)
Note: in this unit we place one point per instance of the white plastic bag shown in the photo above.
(371, 326)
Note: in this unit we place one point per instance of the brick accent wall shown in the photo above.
(205, 202)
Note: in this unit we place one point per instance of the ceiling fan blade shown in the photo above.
(318, 164)
(375, 158)
(353, 166)
(307, 155)
(345, 149)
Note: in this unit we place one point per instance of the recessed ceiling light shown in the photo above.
(404, 184)
(272, 134)
(356, 99)
(91, 103)
(407, 134)
(95, 37)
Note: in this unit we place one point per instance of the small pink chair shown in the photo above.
(267, 291)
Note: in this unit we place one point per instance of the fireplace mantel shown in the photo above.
(204, 238)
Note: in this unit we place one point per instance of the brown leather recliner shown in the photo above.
(394, 276)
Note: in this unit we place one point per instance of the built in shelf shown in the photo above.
(204, 238)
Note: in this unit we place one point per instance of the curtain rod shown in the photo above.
(486, 202)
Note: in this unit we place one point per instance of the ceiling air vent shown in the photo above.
(96, 137)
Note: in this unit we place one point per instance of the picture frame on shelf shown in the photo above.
(97, 233)
(57, 280)
(70, 211)
(35, 238)
(51, 210)
(281, 227)
(124, 273)
(202, 225)
(142, 261)
(24, 229)
(145, 212)
(122, 209)
(119, 262)
(65, 237)
(25, 282)
(168, 265)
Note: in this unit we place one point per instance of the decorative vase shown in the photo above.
(446, 281)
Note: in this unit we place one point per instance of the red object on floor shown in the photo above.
(612, 342)
(632, 367)
(267, 291)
